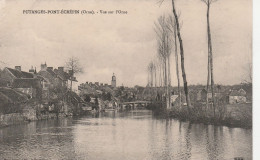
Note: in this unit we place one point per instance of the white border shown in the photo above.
(256, 79)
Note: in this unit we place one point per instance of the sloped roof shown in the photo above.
(20, 74)
(235, 93)
(76, 97)
(107, 89)
(10, 95)
(174, 97)
(51, 72)
(88, 89)
(27, 74)
(42, 78)
(63, 75)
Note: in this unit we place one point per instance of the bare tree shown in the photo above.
(173, 28)
(74, 68)
(210, 56)
(151, 74)
(185, 83)
(164, 52)
(155, 74)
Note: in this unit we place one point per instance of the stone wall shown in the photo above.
(30, 114)
(11, 119)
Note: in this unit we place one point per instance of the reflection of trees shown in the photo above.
(214, 143)
(188, 142)
(168, 140)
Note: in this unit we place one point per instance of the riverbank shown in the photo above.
(27, 116)
(235, 116)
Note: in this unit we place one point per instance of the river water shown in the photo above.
(133, 135)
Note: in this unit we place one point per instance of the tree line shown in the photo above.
(169, 40)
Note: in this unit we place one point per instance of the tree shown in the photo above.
(164, 51)
(185, 83)
(96, 103)
(151, 74)
(173, 28)
(210, 57)
(87, 98)
(74, 67)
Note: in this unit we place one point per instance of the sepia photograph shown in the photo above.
(126, 79)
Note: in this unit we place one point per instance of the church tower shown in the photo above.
(113, 81)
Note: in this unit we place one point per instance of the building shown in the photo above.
(202, 95)
(9, 75)
(113, 81)
(30, 86)
(64, 76)
(237, 96)
(55, 77)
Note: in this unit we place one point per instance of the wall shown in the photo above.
(29, 91)
(237, 99)
(11, 119)
(6, 75)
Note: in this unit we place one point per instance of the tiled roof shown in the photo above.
(235, 93)
(63, 75)
(10, 95)
(51, 72)
(20, 74)
(76, 97)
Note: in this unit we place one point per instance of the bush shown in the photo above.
(201, 114)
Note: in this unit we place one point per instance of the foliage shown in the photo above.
(87, 98)
(224, 115)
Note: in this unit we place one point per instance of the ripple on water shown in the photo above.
(132, 135)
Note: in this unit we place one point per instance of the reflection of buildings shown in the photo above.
(113, 81)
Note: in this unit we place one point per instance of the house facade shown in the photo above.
(237, 96)
(9, 75)
(30, 86)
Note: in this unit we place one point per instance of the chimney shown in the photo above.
(43, 66)
(86, 82)
(19, 68)
(61, 69)
(51, 68)
(31, 70)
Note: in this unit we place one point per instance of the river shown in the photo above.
(133, 135)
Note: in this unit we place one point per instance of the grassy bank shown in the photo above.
(235, 115)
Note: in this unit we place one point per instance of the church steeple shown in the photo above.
(113, 81)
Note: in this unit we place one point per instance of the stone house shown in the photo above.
(202, 95)
(237, 96)
(63, 76)
(29, 86)
(9, 75)
(54, 77)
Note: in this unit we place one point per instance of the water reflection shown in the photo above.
(127, 135)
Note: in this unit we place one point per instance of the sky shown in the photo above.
(125, 44)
